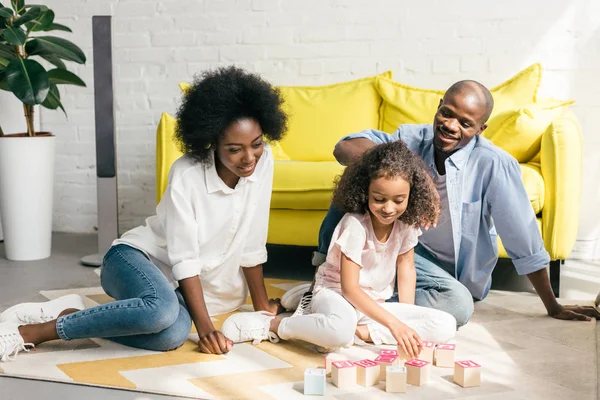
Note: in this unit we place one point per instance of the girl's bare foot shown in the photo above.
(363, 333)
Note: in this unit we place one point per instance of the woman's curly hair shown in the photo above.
(220, 97)
(351, 193)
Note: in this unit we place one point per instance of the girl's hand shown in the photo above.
(214, 342)
(407, 338)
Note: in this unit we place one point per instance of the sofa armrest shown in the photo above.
(561, 153)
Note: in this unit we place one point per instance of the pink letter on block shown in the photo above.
(386, 359)
(385, 352)
(446, 346)
(428, 344)
(468, 364)
(366, 363)
(343, 364)
(416, 363)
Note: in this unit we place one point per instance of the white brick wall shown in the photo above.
(427, 43)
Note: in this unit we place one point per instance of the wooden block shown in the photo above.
(388, 350)
(402, 355)
(343, 373)
(444, 355)
(315, 381)
(331, 357)
(427, 352)
(367, 372)
(384, 362)
(395, 379)
(467, 373)
(417, 372)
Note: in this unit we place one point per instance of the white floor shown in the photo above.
(580, 280)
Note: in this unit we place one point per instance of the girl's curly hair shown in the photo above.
(220, 97)
(351, 193)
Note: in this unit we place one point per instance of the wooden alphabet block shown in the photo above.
(444, 355)
(331, 357)
(315, 381)
(343, 373)
(427, 352)
(417, 372)
(388, 351)
(367, 372)
(467, 373)
(402, 355)
(384, 362)
(395, 379)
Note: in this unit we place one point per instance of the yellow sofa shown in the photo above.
(543, 134)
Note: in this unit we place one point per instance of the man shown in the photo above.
(481, 195)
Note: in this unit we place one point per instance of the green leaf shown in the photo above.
(18, 5)
(57, 47)
(58, 27)
(6, 12)
(4, 62)
(43, 22)
(28, 80)
(57, 62)
(8, 51)
(30, 15)
(52, 101)
(64, 77)
(14, 35)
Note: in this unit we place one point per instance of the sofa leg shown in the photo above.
(555, 275)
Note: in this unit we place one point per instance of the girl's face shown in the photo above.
(239, 150)
(388, 198)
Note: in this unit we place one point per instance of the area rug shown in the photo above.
(523, 353)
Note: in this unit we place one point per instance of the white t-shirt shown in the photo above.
(203, 227)
(355, 238)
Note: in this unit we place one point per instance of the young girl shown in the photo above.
(208, 235)
(386, 196)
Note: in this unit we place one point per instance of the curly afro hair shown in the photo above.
(220, 97)
(351, 193)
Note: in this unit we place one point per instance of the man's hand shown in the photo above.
(214, 342)
(576, 313)
(275, 307)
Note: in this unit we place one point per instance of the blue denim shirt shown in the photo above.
(486, 198)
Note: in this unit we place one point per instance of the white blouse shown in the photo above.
(203, 227)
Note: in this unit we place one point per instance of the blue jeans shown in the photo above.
(148, 314)
(436, 288)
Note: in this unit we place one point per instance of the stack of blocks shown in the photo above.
(387, 367)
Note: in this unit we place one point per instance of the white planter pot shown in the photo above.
(26, 196)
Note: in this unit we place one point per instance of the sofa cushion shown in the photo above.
(403, 104)
(320, 115)
(534, 185)
(304, 185)
(519, 132)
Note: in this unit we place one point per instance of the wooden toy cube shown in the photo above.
(417, 372)
(343, 373)
(444, 355)
(467, 373)
(384, 362)
(395, 379)
(427, 352)
(315, 381)
(367, 372)
(402, 355)
(331, 357)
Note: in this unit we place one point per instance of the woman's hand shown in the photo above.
(407, 338)
(214, 342)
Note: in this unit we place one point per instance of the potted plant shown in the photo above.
(27, 159)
